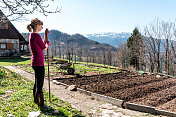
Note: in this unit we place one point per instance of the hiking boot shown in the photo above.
(35, 96)
(41, 101)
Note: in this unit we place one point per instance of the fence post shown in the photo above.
(52, 57)
(87, 60)
(78, 59)
(69, 57)
(75, 58)
(104, 60)
(161, 66)
(127, 63)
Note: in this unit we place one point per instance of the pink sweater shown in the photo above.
(37, 46)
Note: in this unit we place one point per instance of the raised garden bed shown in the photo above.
(131, 87)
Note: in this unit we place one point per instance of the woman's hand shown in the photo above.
(47, 45)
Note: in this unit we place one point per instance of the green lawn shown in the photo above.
(16, 98)
(10, 62)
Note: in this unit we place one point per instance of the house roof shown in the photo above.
(11, 32)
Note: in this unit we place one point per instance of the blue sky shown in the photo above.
(95, 16)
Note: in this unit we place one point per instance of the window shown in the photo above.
(9, 46)
(3, 46)
(4, 26)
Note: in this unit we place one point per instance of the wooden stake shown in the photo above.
(46, 39)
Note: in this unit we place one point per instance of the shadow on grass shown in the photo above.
(50, 112)
(14, 60)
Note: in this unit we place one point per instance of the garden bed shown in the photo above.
(131, 87)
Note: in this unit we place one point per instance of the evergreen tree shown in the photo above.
(135, 47)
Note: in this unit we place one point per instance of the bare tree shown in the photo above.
(153, 43)
(173, 43)
(109, 56)
(98, 56)
(173, 46)
(167, 34)
(80, 54)
(59, 49)
(122, 56)
(18, 8)
(93, 56)
(54, 49)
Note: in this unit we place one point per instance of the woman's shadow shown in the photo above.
(50, 111)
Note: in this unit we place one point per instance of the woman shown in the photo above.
(37, 60)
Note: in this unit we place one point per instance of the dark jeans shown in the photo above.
(39, 78)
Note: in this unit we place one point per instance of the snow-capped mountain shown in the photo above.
(112, 38)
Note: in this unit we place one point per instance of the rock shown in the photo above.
(149, 73)
(55, 82)
(34, 114)
(56, 112)
(112, 113)
(8, 91)
(108, 106)
(72, 88)
(9, 115)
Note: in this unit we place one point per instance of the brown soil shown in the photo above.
(170, 106)
(133, 87)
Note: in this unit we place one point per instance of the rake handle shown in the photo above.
(46, 39)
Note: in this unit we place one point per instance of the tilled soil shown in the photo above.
(158, 98)
(170, 106)
(133, 87)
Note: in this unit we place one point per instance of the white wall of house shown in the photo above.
(5, 49)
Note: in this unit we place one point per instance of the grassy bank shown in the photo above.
(16, 98)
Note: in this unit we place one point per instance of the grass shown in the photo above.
(10, 62)
(16, 98)
(80, 68)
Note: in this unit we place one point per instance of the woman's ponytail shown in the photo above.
(29, 27)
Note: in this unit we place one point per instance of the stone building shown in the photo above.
(12, 43)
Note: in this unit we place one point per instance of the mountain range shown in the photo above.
(111, 38)
(92, 42)
(77, 41)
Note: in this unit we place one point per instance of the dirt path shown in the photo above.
(83, 102)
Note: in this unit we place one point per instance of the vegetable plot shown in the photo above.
(145, 89)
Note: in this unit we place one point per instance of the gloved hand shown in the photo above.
(48, 43)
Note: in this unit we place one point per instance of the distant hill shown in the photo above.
(114, 39)
(78, 40)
